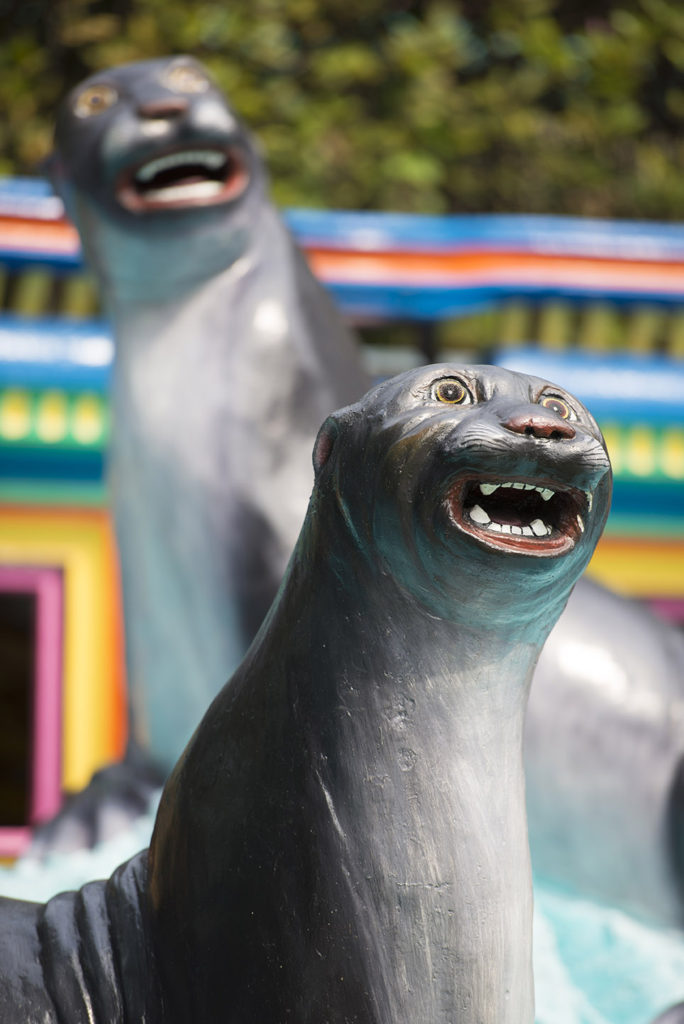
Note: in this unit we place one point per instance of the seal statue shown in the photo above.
(675, 1015)
(344, 838)
(229, 354)
(604, 748)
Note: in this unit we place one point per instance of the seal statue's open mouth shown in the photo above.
(177, 179)
(527, 516)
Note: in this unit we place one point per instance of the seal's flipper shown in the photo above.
(114, 798)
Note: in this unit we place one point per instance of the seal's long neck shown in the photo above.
(420, 768)
(218, 393)
(374, 863)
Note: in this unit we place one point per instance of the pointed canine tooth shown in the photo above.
(489, 488)
(478, 515)
(527, 531)
(546, 493)
(580, 523)
(538, 528)
(516, 529)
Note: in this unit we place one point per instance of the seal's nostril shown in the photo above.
(539, 423)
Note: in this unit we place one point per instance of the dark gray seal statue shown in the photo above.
(229, 354)
(604, 743)
(344, 838)
(675, 1015)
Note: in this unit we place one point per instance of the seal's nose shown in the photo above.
(171, 106)
(539, 423)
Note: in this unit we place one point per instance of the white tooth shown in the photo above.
(546, 493)
(529, 487)
(527, 531)
(590, 499)
(516, 529)
(518, 486)
(478, 515)
(506, 528)
(538, 528)
(580, 523)
(497, 527)
(489, 488)
(208, 157)
(195, 190)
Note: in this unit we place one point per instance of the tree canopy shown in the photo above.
(573, 106)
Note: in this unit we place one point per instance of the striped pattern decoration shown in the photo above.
(627, 277)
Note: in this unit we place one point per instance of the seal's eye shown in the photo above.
(450, 390)
(94, 100)
(557, 405)
(185, 78)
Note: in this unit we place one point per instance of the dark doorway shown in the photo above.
(17, 662)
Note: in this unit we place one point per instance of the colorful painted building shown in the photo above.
(595, 306)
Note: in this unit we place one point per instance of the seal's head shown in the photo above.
(472, 481)
(151, 151)
(154, 138)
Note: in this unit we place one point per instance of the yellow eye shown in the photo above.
(94, 100)
(557, 405)
(450, 390)
(185, 78)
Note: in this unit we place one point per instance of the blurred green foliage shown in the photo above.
(573, 106)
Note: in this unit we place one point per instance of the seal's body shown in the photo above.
(675, 1015)
(344, 838)
(228, 356)
(604, 741)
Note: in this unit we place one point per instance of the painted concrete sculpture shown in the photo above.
(604, 742)
(344, 837)
(228, 356)
(675, 1015)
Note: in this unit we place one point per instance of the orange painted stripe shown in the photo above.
(488, 267)
(640, 567)
(465, 267)
(35, 235)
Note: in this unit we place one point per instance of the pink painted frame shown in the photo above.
(46, 583)
(670, 608)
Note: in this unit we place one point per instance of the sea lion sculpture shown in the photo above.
(229, 354)
(604, 749)
(344, 838)
(674, 1015)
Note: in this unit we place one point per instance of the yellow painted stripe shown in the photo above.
(672, 453)
(81, 544)
(15, 415)
(51, 418)
(640, 568)
(640, 453)
(87, 422)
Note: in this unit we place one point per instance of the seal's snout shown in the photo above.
(539, 423)
(170, 106)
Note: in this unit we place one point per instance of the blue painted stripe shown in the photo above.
(45, 464)
(55, 353)
(622, 388)
(366, 230)
(647, 502)
(550, 235)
